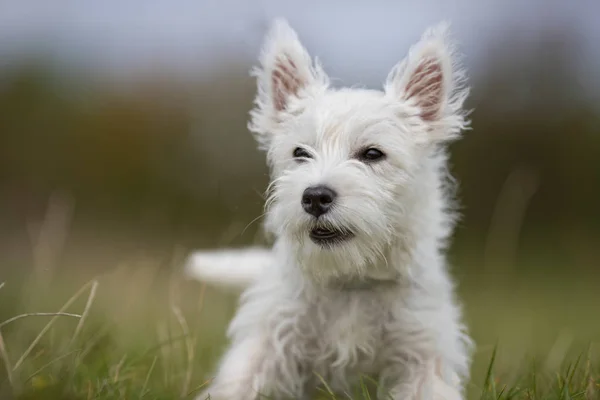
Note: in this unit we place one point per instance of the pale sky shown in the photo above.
(354, 39)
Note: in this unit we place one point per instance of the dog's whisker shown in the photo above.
(251, 222)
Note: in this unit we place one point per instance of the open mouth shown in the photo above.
(328, 237)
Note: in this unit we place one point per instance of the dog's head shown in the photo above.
(349, 166)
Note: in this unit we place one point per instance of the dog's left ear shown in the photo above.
(430, 80)
(286, 73)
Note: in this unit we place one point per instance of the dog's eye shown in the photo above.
(300, 153)
(371, 154)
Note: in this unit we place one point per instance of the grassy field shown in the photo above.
(141, 331)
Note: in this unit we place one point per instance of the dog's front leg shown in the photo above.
(423, 362)
(422, 381)
(243, 373)
(252, 369)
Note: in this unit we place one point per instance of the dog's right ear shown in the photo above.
(286, 73)
(431, 80)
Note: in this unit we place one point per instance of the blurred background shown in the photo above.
(123, 142)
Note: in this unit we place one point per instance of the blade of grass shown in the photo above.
(6, 360)
(534, 379)
(85, 313)
(514, 392)
(327, 388)
(190, 345)
(118, 368)
(38, 314)
(197, 388)
(143, 392)
(364, 389)
(48, 364)
(488, 377)
(49, 325)
(501, 392)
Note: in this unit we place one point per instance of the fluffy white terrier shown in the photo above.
(356, 283)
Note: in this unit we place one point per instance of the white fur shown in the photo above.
(295, 322)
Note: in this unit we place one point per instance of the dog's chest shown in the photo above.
(349, 331)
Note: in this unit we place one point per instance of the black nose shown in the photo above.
(317, 200)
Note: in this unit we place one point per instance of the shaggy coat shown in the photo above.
(377, 299)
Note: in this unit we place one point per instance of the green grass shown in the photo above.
(139, 332)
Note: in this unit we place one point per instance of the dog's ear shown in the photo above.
(286, 72)
(429, 79)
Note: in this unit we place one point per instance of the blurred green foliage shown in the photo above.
(159, 162)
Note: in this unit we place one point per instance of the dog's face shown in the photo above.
(345, 163)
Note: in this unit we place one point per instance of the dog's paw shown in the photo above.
(444, 391)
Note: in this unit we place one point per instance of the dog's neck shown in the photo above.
(331, 274)
(348, 284)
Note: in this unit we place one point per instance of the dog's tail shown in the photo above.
(236, 268)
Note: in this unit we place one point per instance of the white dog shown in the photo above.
(356, 283)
